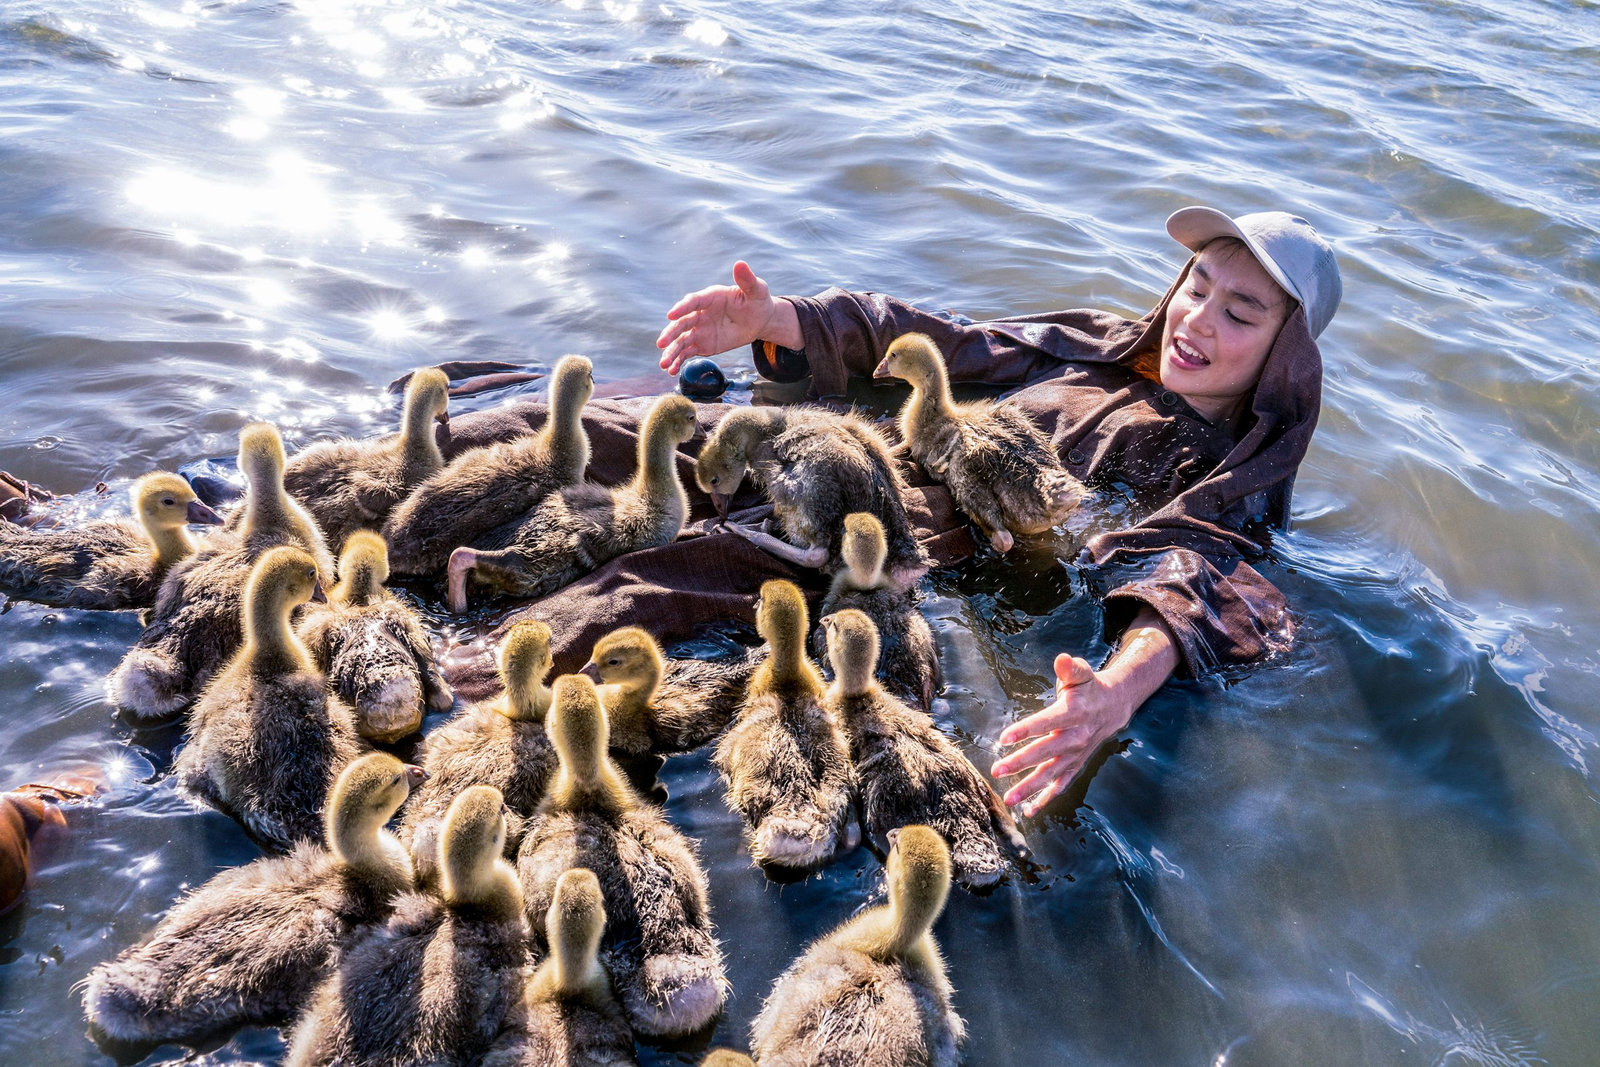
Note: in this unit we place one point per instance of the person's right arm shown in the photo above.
(843, 334)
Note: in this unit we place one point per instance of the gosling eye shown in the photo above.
(613, 661)
(714, 479)
(167, 502)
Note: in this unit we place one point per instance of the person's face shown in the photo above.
(1220, 326)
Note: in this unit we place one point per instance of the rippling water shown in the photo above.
(1381, 849)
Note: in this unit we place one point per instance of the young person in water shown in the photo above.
(1200, 411)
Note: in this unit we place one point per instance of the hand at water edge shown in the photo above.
(1088, 711)
(1090, 708)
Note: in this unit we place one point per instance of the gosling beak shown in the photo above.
(591, 671)
(415, 776)
(317, 595)
(443, 418)
(201, 515)
(720, 502)
(881, 371)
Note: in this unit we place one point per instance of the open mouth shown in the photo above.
(1185, 356)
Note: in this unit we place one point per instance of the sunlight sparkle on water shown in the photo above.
(389, 324)
(706, 32)
(266, 292)
(476, 256)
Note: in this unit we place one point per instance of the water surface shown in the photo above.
(1379, 849)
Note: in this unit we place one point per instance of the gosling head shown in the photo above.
(725, 457)
(914, 357)
(573, 926)
(366, 795)
(919, 881)
(363, 568)
(524, 661)
(571, 385)
(261, 456)
(578, 728)
(726, 1057)
(852, 649)
(671, 418)
(427, 398)
(284, 578)
(864, 548)
(166, 501)
(781, 615)
(471, 844)
(629, 658)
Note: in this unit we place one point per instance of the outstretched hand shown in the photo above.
(1088, 711)
(719, 318)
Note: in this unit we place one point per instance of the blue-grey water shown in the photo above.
(1382, 848)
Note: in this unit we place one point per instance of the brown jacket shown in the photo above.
(1206, 499)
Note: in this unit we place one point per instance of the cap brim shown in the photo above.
(1192, 227)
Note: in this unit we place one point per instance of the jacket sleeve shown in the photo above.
(1222, 611)
(846, 334)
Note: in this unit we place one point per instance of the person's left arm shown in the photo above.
(1091, 707)
(1179, 612)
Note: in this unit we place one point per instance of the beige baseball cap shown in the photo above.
(1297, 257)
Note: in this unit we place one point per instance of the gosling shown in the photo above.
(500, 742)
(266, 738)
(663, 707)
(907, 771)
(874, 991)
(109, 564)
(372, 646)
(785, 760)
(485, 488)
(195, 626)
(353, 485)
(570, 1018)
(998, 465)
(908, 660)
(816, 467)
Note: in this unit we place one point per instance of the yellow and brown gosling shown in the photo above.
(907, 771)
(455, 1010)
(816, 467)
(578, 529)
(350, 485)
(785, 760)
(570, 1015)
(999, 466)
(908, 662)
(250, 945)
(874, 990)
(266, 738)
(658, 706)
(659, 945)
(373, 648)
(483, 489)
(108, 564)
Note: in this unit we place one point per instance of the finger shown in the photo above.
(1072, 670)
(1040, 723)
(1057, 785)
(746, 280)
(1032, 754)
(671, 332)
(1041, 777)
